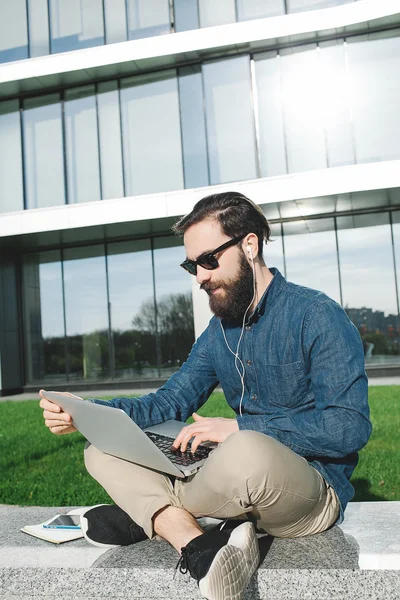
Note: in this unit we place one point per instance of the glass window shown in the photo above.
(83, 172)
(194, 141)
(44, 318)
(115, 17)
(175, 321)
(146, 19)
(335, 104)
(11, 183)
(13, 30)
(273, 251)
(258, 9)
(43, 152)
(368, 284)
(303, 113)
(86, 313)
(75, 24)
(186, 15)
(132, 310)
(374, 91)
(38, 20)
(396, 247)
(110, 140)
(216, 13)
(311, 256)
(230, 123)
(270, 115)
(302, 5)
(151, 134)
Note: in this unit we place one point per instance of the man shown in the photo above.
(291, 365)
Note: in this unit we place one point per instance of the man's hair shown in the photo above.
(236, 214)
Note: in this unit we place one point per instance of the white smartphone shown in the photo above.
(64, 522)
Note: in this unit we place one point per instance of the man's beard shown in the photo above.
(238, 293)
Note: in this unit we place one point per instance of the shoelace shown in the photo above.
(182, 563)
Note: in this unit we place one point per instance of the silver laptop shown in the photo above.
(112, 431)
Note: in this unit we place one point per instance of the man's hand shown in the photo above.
(205, 429)
(55, 418)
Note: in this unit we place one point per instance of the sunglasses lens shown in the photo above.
(190, 267)
(208, 262)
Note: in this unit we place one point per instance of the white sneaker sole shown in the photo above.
(85, 526)
(233, 566)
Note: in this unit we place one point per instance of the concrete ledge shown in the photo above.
(359, 559)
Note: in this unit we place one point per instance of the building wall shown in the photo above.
(96, 165)
(11, 363)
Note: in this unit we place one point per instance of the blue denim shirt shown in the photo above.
(305, 382)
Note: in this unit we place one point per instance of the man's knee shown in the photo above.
(92, 457)
(245, 451)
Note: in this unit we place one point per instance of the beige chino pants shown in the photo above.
(248, 473)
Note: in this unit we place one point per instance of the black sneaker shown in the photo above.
(222, 562)
(108, 526)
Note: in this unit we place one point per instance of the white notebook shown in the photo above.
(55, 536)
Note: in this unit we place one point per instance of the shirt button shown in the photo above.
(254, 397)
(247, 327)
(248, 362)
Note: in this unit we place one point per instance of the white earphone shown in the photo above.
(242, 371)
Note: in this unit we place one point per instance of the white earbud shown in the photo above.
(248, 248)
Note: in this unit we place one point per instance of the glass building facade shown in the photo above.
(216, 122)
(109, 303)
(106, 311)
(31, 28)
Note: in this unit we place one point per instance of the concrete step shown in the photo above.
(359, 559)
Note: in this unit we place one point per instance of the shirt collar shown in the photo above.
(275, 287)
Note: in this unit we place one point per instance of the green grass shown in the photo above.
(39, 468)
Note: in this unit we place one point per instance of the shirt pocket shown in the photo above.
(285, 385)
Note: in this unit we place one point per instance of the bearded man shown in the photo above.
(291, 365)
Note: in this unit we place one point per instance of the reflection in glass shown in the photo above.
(83, 173)
(270, 115)
(186, 15)
(11, 186)
(44, 318)
(335, 105)
(175, 322)
(132, 310)
(151, 134)
(110, 140)
(38, 23)
(311, 256)
(273, 251)
(303, 109)
(86, 313)
(368, 284)
(194, 141)
(75, 24)
(216, 13)
(115, 18)
(146, 19)
(13, 31)
(302, 5)
(229, 117)
(375, 97)
(259, 9)
(43, 152)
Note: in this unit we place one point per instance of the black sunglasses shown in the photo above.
(208, 260)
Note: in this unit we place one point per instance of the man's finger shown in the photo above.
(198, 440)
(48, 405)
(197, 417)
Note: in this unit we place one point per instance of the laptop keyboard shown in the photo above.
(182, 459)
